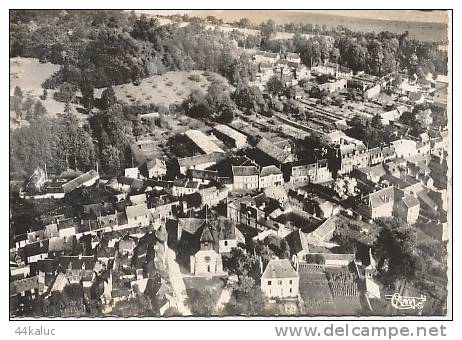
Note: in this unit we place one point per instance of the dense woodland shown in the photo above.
(103, 48)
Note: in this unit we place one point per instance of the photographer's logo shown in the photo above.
(406, 302)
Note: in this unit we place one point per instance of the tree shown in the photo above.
(267, 30)
(289, 92)
(76, 145)
(202, 302)
(17, 100)
(315, 258)
(376, 122)
(39, 109)
(44, 94)
(18, 92)
(108, 98)
(110, 160)
(244, 23)
(241, 263)
(249, 300)
(225, 117)
(28, 105)
(247, 97)
(346, 242)
(275, 86)
(396, 247)
(66, 93)
(87, 90)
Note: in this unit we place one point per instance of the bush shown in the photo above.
(195, 77)
(53, 81)
(315, 258)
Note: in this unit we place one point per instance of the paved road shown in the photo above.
(176, 278)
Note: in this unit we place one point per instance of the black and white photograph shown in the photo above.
(230, 164)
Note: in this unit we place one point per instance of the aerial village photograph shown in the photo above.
(229, 163)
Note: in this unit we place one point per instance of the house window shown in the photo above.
(290, 290)
(290, 282)
(269, 283)
(226, 243)
(280, 282)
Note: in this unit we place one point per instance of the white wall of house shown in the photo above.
(225, 246)
(280, 288)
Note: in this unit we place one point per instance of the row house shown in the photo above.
(333, 86)
(212, 196)
(202, 176)
(266, 57)
(183, 187)
(137, 215)
(199, 162)
(315, 173)
(391, 201)
(156, 168)
(162, 207)
(270, 176)
(314, 205)
(352, 156)
(246, 210)
(245, 177)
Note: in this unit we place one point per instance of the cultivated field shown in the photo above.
(166, 89)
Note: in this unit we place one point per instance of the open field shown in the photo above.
(29, 74)
(166, 89)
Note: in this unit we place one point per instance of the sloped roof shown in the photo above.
(24, 285)
(376, 170)
(206, 235)
(273, 151)
(276, 193)
(324, 230)
(200, 159)
(279, 269)
(61, 243)
(138, 199)
(136, 210)
(226, 229)
(202, 174)
(79, 181)
(442, 78)
(410, 201)
(297, 241)
(270, 170)
(156, 163)
(245, 170)
(36, 248)
(381, 197)
(230, 132)
(202, 141)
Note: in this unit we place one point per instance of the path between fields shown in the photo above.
(223, 299)
(176, 278)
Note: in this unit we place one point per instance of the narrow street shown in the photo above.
(176, 278)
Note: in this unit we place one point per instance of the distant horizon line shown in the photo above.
(417, 16)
